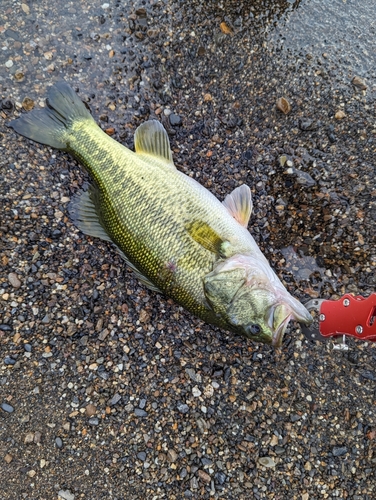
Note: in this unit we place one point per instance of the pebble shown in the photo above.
(7, 408)
(175, 120)
(9, 63)
(93, 421)
(9, 361)
(196, 392)
(90, 410)
(8, 458)
(13, 280)
(183, 408)
(115, 399)
(220, 477)
(5, 328)
(140, 413)
(340, 115)
(141, 456)
(338, 451)
(29, 438)
(359, 83)
(59, 442)
(66, 495)
(283, 105)
(28, 104)
(172, 456)
(267, 462)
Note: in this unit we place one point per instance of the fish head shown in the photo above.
(248, 296)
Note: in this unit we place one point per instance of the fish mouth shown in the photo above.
(278, 334)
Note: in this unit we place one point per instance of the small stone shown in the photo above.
(19, 76)
(46, 319)
(172, 456)
(25, 8)
(29, 438)
(37, 437)
(204, 476)
(283, 105)
(13, 280)
(59, 442)
(66, 495)
(9, 63)
(140, 413)
(196, 392)
(274, 440)
(307, 124)
(359, 83)
(5, 328)
(338, 451)
(175, 120)
(7, 408)
(266, 462)
(90, 410)
(31, 473)
(28, 104)
(94, 421)
(48, 55)
(141, 456)
(8, 458)
(9, 361)
(220, 477)
(339, 115)
(305, 496)
(183, 408)
(115, 399)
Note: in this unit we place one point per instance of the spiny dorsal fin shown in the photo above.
(239, 204)
(203, 234)
(84, 214)
(151, 139)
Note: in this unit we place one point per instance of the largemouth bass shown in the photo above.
(177, 236)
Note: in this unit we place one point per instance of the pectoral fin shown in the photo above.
(151, 139)
(84, 212)
(239, 204)
(203, 234)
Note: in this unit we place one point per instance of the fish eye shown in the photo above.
(254, 329)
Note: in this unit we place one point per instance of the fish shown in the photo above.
(177, 237)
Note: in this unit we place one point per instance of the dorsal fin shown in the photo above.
(239, 204)
(151, 138)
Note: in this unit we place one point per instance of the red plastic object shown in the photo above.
(351, 316)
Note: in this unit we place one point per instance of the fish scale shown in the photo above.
(177, 236)
(120, 181)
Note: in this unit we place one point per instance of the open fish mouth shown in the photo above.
(278, 334)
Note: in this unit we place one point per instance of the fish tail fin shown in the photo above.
(51, 125)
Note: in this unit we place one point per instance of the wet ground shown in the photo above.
(108, 390)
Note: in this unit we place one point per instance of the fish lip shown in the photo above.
(277, 337)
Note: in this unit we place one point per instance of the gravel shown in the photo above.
(108, 390)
